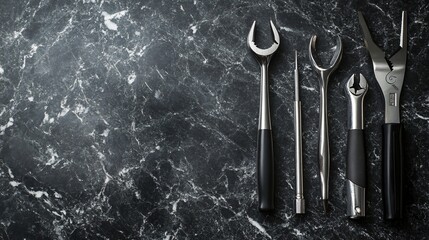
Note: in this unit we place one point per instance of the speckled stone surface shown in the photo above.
(138, 119)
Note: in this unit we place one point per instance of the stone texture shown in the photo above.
(138, 119)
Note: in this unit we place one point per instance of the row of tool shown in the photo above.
(389, 73)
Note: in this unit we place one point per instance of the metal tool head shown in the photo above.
(357, 86)
(389, 72)
(263, 52)
(335, 60)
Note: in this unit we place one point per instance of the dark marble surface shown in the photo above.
(138, 120)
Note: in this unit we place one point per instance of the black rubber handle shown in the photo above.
(265, 170)
(392, 171)
(356, 157)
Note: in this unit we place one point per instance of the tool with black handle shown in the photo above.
(265, 157)
(356, 88)
(390, 73)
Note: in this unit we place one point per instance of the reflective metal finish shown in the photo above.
(324, 157)
(355, 200)
(264, 57)
(300, 201)
(389, 72)
(356, 90)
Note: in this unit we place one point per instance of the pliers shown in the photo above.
(390, 73)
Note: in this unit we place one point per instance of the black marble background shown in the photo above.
(138, 119)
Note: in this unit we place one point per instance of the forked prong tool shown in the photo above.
(265, 157)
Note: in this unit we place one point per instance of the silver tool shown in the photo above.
(265, 161)
(300, 201)
(390, 73)
(324, 157)
(356, 88)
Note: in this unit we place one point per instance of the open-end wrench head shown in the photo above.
(263, 52)
(357, 86)
(335, 60)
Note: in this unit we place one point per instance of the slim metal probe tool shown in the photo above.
(300, 201)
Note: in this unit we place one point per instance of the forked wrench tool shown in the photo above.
(265, 157)
(324, 157)
(390, 73)
(356, 88)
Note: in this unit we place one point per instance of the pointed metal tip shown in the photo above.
(275, 33)
(325, 205)
(335, 60)
(312, 50)
(362, 23)
(351, 79)
(296, 77)
(296, 60)
(312, 46)
(251, 35)
(361, 18)
(362, 79)
(313, 39)
(403, 38)
(339, 42)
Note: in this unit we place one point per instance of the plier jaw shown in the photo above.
(389, 72)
